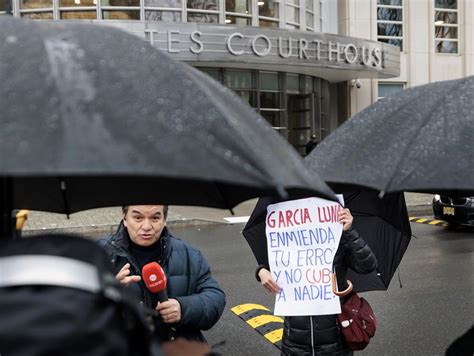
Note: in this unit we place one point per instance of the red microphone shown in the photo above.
(155, 280)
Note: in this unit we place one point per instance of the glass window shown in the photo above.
(214, 73)
(36, 4)
(390, 2)
(389, 14)
(268, 8)
(446, 4)
(309, 20)
(293, 82)
(238, 6)
(446, 26)
(390, 22)
(120, 2)
(239, 79)
(310, 15)
(268, 81)
(292, 14)
(163, 3)
(239, 21)
(444, 17)
(3, 6)
(248, 96)
(38, 15)
(234, 7)
(386, 89)
(121, 14)
(446, 47)
(276, 119)
(203, 11)
(392, 30)
(268, 23)
(165, 16)
(78, 15)
(75, 3)
(202, 17)
(270, 101)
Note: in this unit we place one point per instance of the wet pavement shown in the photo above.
(434, 305)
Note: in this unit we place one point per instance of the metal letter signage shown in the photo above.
(195, 39)
(268, 45)
(275, 49)
(229, 45)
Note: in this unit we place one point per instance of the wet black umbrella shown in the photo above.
(383, 223)
(92, 116)
(418, 140)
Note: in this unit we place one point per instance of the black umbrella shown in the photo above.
(92, 116)
(418, 140)
(383, 223)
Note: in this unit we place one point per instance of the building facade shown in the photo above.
(435, 37)
(294, 61)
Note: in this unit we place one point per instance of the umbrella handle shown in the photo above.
(21, 217)
(334, 287)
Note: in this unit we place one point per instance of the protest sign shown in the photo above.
(302, 239)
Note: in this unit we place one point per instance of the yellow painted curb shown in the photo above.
(274, 336)
(263, 319)
(242, 308)
(428, 221)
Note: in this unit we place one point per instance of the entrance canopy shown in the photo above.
(331, 57)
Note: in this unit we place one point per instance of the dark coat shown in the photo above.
(311, 145)
(189, 281)
(303, 334)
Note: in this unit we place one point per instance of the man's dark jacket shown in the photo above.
(189, 281)
(321, 334)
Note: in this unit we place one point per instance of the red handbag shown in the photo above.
(357, 321)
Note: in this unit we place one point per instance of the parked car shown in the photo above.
(454, 210)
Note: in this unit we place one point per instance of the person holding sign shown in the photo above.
(299, 237)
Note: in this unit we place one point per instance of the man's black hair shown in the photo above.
(165, 210)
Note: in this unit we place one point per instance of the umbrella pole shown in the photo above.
(6, 208)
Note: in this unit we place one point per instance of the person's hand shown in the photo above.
(267, 281)
(345, 217)
(124, 276)
(170, 311)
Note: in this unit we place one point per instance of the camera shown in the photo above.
(355, 83)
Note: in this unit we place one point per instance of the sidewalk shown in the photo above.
(102, 222)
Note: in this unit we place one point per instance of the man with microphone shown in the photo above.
(192, 300)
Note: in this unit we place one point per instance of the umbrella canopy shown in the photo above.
(383, 223)
(92, 116)
(418, 140)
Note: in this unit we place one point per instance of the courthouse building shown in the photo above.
(435, 37)
(304, 65)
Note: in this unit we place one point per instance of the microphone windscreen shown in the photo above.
(154, 277)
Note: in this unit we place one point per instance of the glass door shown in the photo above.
(300, 116)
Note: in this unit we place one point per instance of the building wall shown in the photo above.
(419, 64)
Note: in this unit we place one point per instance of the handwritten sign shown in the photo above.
(302, 239)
